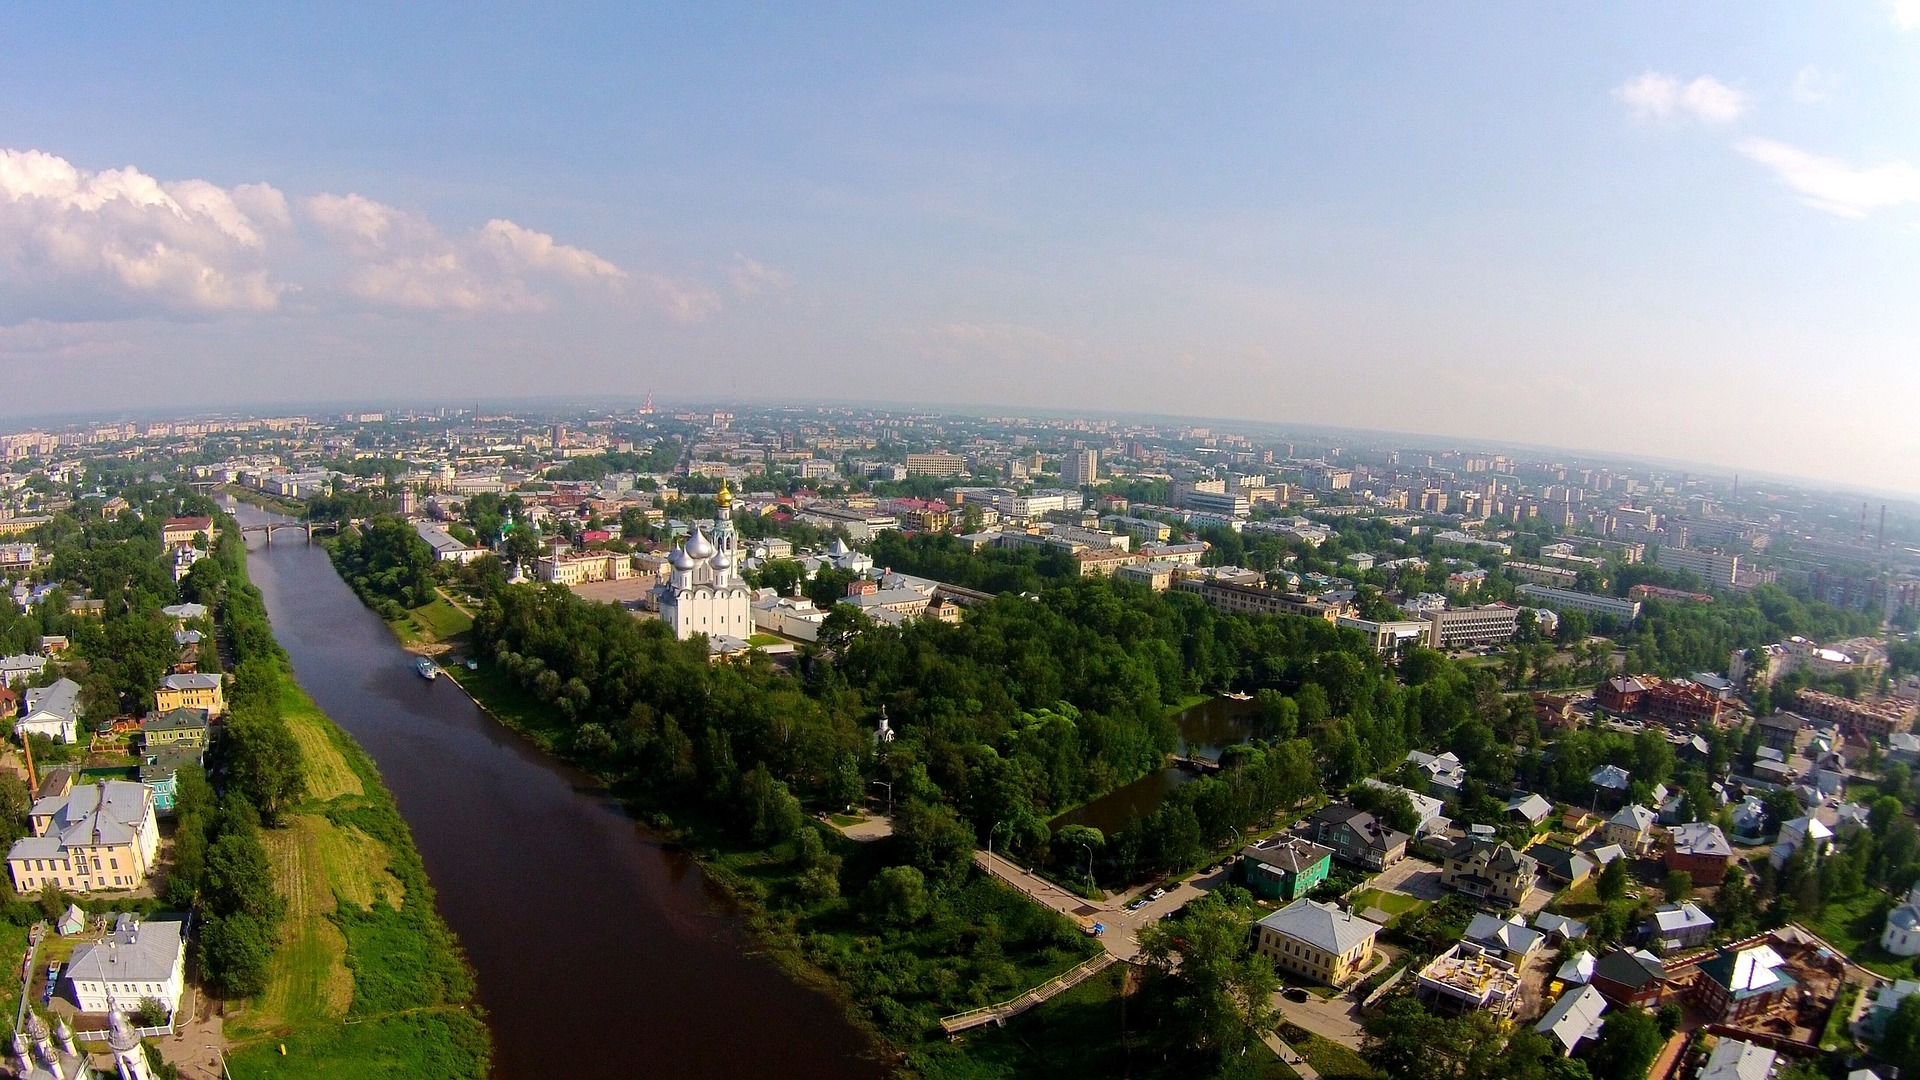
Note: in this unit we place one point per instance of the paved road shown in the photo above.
(1122, 925)
(1336, 1018)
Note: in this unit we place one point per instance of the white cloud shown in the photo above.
(1833, 185)
(1657, 98)
(520, 248)
(77, 245)
(1812, 85)
(1906, 14)
(752, 277)
(401, 259)
(87, 244)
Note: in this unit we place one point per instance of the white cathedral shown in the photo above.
(705, 593)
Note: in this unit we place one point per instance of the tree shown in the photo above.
(234, 952)
(1217, 991)
(1613, 881)
(768, 810)
(1678, 886)
(1081, 839)
(263, 758)
(897, 896)
(1900, 1041)
(1629, 1041)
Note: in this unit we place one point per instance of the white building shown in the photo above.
(1901, 936)
(53, 711)
(446, 547)
(704, 593)
(139, 960)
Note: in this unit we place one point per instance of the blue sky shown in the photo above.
(1683, 230)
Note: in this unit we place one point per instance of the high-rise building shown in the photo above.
(1080, 468)
(936, 463)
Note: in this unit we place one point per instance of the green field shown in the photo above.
(366, 980)
(1853, 926)
(1086, 1031)
(1393, 903)
(432, 623)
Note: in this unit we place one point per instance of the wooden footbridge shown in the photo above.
(1007, 1010)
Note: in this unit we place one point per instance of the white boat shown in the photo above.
(426, 668)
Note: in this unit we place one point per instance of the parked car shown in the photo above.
(1156, 894)
(1294, 993)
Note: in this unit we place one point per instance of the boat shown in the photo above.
(426, 668)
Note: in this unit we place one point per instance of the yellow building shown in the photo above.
(1318, 941)
(184, 728)
(97, 836)
(203, 692)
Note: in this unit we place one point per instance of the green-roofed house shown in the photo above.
(1284, 868)
(178, 729)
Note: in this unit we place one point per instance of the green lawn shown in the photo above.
(508, 702)
(1328, 1058)
(1086, 1031)
(1393, 903)
(1853, 926)
(429, 623)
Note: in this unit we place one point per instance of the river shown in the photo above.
(599, 951)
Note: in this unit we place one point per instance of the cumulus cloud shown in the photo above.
(1660, 99)
(1833, 185)
(752, 277)
(1906, 14)
(89, 243)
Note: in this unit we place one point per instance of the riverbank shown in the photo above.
(264, 501)
(891, 982)
(366, 980)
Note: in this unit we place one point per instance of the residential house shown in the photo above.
(139, 960)
(1630, 978)
(1699, 848)
(53, 711)
(182, 614)
(1780, 730)
(1750, 824)
(1611, 783)
(1886, 1001)
(1318, 941)
(1284, 867)
(160, 771)
(1426, 808)
(1801, 831)
(182, 728)
(1631, 827)
(1563, 868)
(1742, 983)
(183, 530)
(71, 921)
(1510, 938)
(195, 691)
(1532, 809)
(1574, 1019)
(1558, 928)
(1444, 774)
(1673, 927)
(97, 836)
(1578, 969)
(1489, 870)
(1356, 837)
(20, 666)
(1733, 1059)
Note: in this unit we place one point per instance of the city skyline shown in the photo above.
(1629, 232)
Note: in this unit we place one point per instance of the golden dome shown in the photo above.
(725, 498)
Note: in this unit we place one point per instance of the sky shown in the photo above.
(1683, 230)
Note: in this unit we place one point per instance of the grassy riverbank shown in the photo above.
(990, 943)
(366, 980)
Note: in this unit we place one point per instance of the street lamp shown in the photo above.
(990, 832)
(889, 786)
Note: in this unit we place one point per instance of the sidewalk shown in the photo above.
(1290, 1056)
